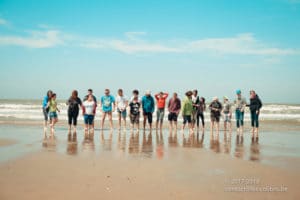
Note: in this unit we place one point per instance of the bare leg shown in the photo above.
(103, 119)
(110, 120)
(218, 129)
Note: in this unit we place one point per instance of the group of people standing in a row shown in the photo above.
(192, 109)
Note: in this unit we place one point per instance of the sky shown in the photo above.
(215, 46)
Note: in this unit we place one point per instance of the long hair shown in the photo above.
(74, 94)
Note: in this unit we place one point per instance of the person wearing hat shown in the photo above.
(239, 105)
(187, 110)
(215, 112)
(148, 108)
(227, 113)
(46, 108)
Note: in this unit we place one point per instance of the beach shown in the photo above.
(121, 164)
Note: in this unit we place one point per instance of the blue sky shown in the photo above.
(213, 46)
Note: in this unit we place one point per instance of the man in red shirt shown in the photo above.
(161, 102)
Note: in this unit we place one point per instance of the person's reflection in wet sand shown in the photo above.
(147, 147)
(227, 142)
(186, 141)
(107, 143)
(122, 141)
(88, 141)
(133, 146)
(239, 147)
(159, 145)
(172, 139)
(215, 143)
(197, 141)
(72, 147)
(254, 151)
(49, 142)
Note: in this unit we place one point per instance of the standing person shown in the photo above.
(122, 104)
(255, 106)
(52, 104)
(135, 106)
(74, 102)
(108, 107)
(215, 113)
(160, 112)
(200, 113)
(187, 109)
(174, 107)
(227, 113)
(196, 101)
(88, 112)
(135, 93)
(46, 108)
(239, 104)
(148, 108)
(90, 92)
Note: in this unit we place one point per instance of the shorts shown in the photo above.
(149, 116)
(160, 113)
(46, 112)
(88, 119)
(215, 117)
(134, 118)
(187, 119)
(172, 117)
(122, 113)
(227, 117)
(52, 115)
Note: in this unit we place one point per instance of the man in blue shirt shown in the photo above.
(148, 108)
(107, 105)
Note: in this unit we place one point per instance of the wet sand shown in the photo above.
(188, 174)
(125, 165)
(7, 142)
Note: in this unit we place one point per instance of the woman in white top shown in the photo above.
(89, 110)
(122, 104)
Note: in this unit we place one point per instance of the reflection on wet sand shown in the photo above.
(159, 145)
(133, 146)
(192, 140)
(72, 147)
(255, 151)
(122, 141)
(215, 145)
(49, 142)
(106, 142)
(227, 142)
(88, 143)
(172, 139)
(147, 146)
(239, 147)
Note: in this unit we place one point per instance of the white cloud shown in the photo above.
(36, 39)
(243, 44)
(3, 21)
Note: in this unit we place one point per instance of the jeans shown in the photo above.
(254, 119)
(239, 116)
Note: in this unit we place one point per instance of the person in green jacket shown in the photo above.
(187, 109)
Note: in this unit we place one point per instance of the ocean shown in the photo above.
(31, 110)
